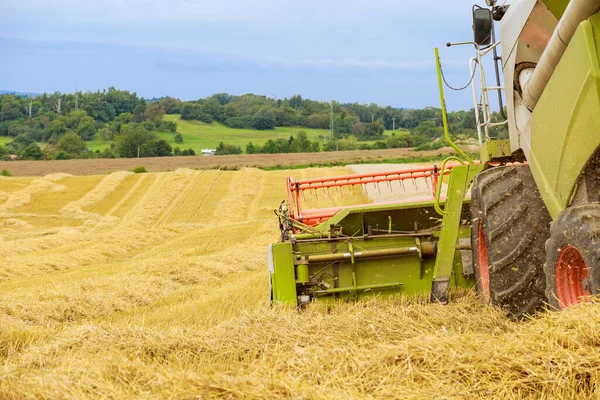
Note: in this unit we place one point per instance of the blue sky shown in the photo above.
(378, 51)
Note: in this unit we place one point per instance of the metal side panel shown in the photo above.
(405, 273)
(283, 277)
(566, 120)
(271, 271)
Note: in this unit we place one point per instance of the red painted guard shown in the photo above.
(295, 188)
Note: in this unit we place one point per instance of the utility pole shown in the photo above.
(331, 122)
(138, 148)
(372, 116)
(394, 123)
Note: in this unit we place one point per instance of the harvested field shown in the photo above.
(158, 164)
(155, 286)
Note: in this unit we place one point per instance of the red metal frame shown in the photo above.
(482, 261)
(295, 187)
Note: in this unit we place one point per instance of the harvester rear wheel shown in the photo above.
(573, 256)
(510, 226)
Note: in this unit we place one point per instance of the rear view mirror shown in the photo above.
(482, 26)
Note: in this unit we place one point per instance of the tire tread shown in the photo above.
(516, 223)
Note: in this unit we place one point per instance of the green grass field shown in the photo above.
(198, 135)
(97, 143)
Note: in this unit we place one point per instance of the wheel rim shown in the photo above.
(482, 261)
(572, 277)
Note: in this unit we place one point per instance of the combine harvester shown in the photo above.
(530, 232)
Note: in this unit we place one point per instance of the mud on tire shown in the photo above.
(516, 223)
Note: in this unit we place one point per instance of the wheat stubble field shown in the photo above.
(155, 286)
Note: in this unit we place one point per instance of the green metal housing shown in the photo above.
(383, 250)
(566, 120)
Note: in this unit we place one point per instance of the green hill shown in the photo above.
(198, 135)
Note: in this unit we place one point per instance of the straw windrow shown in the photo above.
(169, 299)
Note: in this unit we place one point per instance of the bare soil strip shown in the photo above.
(158, 164)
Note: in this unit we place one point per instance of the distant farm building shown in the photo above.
(208, 152)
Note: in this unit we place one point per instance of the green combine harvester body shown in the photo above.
(565, 132)
(366, 250)
(498, 239)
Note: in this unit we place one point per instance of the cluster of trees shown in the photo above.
(363, 121)
(295, 144)
(64, 122)
(102, 106)
(301, 144)
(396, 140)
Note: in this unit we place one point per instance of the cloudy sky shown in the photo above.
(364, 51)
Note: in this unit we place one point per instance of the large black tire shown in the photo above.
(573, 256)
(510, 224)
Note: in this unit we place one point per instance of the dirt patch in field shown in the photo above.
(158, 164)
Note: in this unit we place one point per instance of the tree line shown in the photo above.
(350, 123)
(64, 122)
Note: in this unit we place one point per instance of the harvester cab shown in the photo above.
(497, 235)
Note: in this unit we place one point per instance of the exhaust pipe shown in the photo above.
(576, 12)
